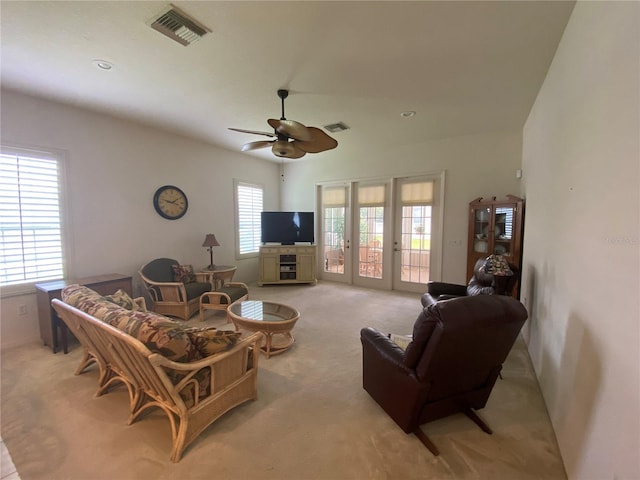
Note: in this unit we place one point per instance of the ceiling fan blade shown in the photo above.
(285, 149)
(290, 128)
(257, 145)
(255, 132)
(319, 142)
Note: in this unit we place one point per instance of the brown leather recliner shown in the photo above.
(451, 365)
(481, 283)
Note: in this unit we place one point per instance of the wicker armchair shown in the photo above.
(171, 298)
(225, 292)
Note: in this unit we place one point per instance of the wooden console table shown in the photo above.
(50, 323)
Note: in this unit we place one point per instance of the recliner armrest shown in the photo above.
(384, 347)
(437, 291)
(441, 288)
(392, 384)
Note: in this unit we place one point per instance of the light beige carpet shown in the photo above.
(312, 419)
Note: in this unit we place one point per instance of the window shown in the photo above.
(30, 221)
(248, 209)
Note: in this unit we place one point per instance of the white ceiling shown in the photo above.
(464, 67)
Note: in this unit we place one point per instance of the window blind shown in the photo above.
(249, 201)
(334, 196)
(30, 224)
(417, 193)
(371, 195)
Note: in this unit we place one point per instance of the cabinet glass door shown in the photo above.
(481, 230)
(503, 231)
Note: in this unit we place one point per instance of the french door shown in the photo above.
(381, 234)
(334, 247)
(370, 234)
(417, 238)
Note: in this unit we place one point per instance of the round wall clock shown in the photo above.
(170, 202)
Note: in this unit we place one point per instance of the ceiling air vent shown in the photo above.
(336, 127)
(178, 26)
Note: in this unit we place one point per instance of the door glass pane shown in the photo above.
(333, 235)
(416, 243)
(370, 242)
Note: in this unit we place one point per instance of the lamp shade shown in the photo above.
(210, 241)
(497, 265)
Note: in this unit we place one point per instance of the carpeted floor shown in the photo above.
(312, 419)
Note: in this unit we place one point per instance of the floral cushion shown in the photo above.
(123, 299)
(91, 302)
(159, 334)
(209, 341)
(183, 273)
(73, 294)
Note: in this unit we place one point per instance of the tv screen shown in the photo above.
(287, 228)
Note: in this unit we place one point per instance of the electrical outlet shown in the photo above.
(22, 309)
(455, 243)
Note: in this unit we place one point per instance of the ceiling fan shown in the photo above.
(291, 139)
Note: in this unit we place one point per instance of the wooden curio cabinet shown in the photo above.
(495, 226)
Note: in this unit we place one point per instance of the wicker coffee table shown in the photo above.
(267, 317)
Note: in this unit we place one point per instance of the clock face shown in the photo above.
(170, 202)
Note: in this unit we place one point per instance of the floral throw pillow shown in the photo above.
(183, 273)
(159, 334)
(123, 299)
(209, 341)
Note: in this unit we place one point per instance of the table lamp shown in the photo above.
(210, 241)
(497, 265)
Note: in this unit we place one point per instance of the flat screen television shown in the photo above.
(287, 228)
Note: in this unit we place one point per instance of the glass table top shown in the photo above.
(259, 311)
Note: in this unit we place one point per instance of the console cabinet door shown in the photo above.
(269, 268)
(305, 268)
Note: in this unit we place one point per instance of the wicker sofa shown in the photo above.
(194, 375)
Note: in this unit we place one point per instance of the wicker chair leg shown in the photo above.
(87, 360)
(179, 440)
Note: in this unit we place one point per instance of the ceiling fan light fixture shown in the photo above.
(293, 140)
(282, 148)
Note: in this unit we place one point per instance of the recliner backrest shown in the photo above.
(482, 278)
(160, 270)
(468, 339)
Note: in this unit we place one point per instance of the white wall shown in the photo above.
(113, 168)
(476, 166)
(581, 244)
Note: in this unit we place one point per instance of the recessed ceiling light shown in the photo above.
(408, 113)
(103, 64)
